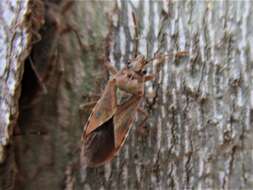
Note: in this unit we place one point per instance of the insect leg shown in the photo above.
(113, 70)
(91, 95)
(136, 34)
(143, 112)
(149, 77)
(87, 105)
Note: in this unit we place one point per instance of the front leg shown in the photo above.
(113, 70)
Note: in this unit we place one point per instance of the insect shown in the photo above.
(111, 119)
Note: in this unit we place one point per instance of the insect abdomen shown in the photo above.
(98, 146)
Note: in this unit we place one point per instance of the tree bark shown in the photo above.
(16, 38)
(199, 131)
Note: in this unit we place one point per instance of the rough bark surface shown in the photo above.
(15, 45)
(199, 131)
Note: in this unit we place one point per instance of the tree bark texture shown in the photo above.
(19, 24)
(199, 131)
(15, 42)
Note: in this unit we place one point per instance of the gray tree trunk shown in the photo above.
(199, 131)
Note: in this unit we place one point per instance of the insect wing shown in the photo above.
(98, 147)
(103, 110)
(123, 120)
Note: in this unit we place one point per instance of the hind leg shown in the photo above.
(145, 114)
(87, 105)
(149, 77)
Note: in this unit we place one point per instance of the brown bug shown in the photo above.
(112, 117)
(110, 121)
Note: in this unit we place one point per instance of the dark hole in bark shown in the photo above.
(37, 70)
(30, 85)
(30, 96)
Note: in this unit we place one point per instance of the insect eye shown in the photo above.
(144, 72)
(128, 64)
